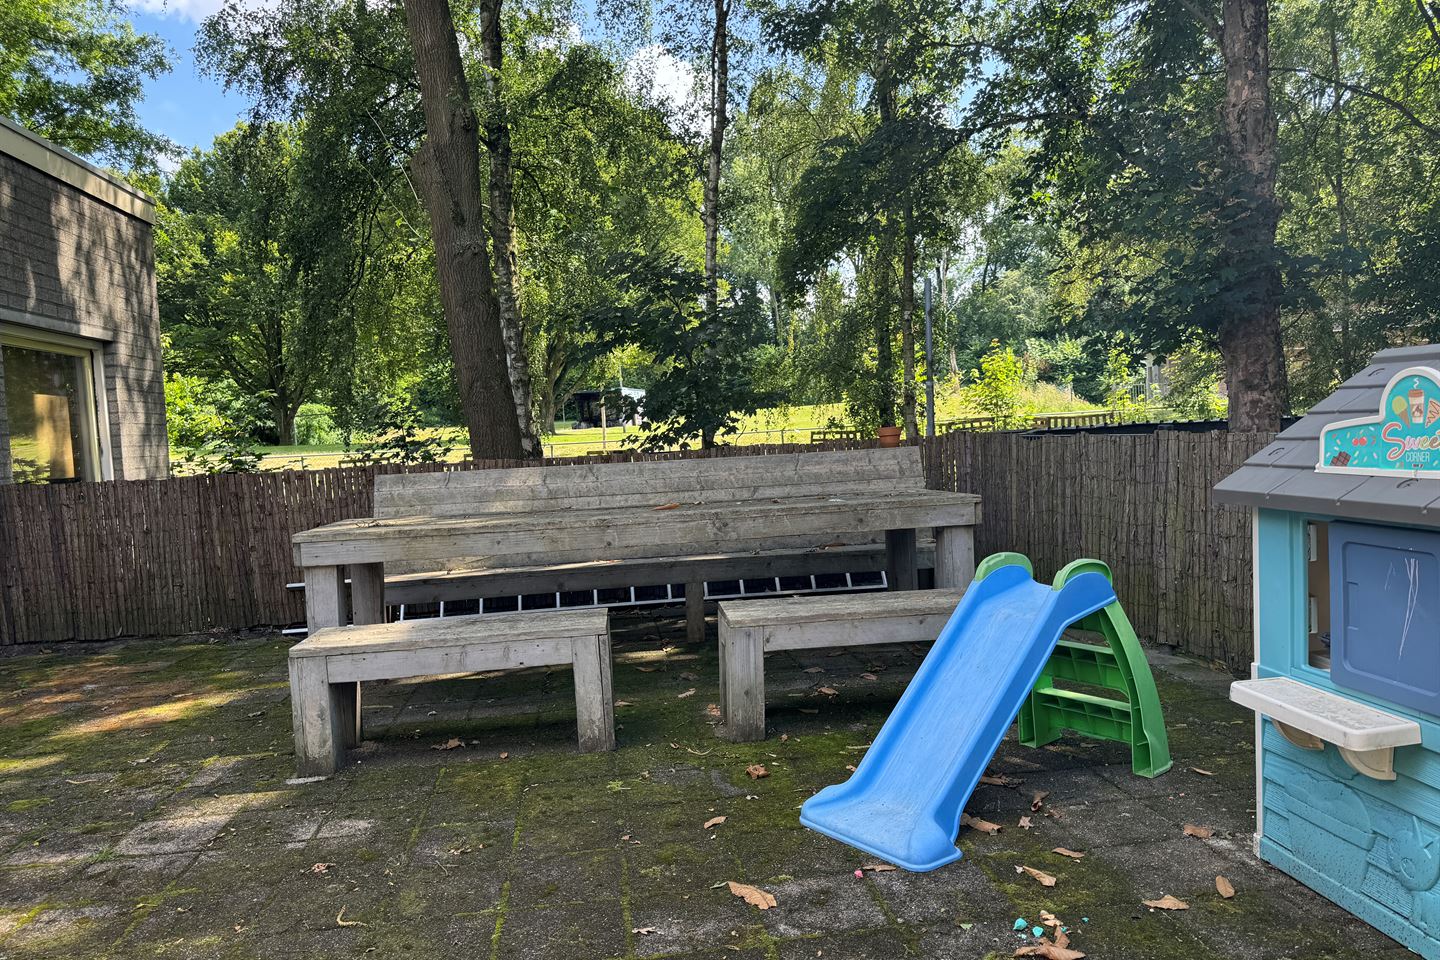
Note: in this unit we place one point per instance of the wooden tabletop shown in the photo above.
(651, 531)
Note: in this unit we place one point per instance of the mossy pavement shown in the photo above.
(145, 812)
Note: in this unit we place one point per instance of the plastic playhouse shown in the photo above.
(1000, 655)
(1346, 679)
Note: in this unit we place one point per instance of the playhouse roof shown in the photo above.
(1283, 475)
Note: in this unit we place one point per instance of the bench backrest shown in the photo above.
(464, 493)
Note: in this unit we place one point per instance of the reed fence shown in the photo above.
(92, 561)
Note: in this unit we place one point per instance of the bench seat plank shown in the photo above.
(410, 635)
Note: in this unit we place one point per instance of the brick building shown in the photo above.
(80, 372)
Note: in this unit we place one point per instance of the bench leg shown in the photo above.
(594, 700)
(325, 604)
(318, 716)
(900, 560)
(954, 557)
(695, 611)
(742, 684)
(367, 592)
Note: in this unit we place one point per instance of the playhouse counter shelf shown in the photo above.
(1346, 684)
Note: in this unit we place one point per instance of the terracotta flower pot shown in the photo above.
(889, 436)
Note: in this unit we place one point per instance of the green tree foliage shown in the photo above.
(229, 279)
(706, 366)
(73, 71)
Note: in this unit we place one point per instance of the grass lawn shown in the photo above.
(776, 425)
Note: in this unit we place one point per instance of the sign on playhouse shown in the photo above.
(1403, 438)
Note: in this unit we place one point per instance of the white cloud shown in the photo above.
(665, 80)
(193, 10)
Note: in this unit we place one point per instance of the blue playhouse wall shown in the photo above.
(1371, 846)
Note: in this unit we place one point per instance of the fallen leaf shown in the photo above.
(757, 771)
(1066, 852)
(450, 744)
(643, 931)
(1024, 823)
(878, 867)
(668, 506)
(998, 780)
(713, 822)
(1203, 773)
(712, 710)
(647, 669)
(623, 703)
(868, 676)
(975, 823)
(1062, 939)
(340, 920)
(752, 895)
(814, 669)
(321, 868)
(1167, 902)
(1049, 951)
(1038, 799)
(850, 767)
(1049, 919)
(504, 755)
(1203, 833)
(828, 691)
(1224, 887)
(687, 693)
(1046, 880)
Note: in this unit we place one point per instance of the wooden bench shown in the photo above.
(750, 628)
(557, 566)
(327, 668)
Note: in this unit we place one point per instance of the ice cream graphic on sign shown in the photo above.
(1403, 438)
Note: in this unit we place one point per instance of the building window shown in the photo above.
(55, 431)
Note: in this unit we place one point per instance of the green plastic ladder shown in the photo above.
(1118, 666)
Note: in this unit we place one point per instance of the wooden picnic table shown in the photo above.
(652, 531)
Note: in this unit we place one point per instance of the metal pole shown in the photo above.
(929, 376)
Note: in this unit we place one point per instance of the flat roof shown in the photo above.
(61, 164)
(1283, 475)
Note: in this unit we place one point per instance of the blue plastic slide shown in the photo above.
(904, 801)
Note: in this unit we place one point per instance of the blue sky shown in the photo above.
(192, 108)
(184, 105)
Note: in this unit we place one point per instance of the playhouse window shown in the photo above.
(1317, 594)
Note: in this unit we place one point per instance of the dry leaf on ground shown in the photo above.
(1046, 880)
(1224, 887)
(1038, 799)
(1050, 952)
(752, 895)
(668, 506)
(713, 822)
(1067, 852)
(998, 780)
(814, 669)
(757, 771)
(868, 676)
(687, 693)
(451, 744)
(1204, 833)
(643, 931)
(1167, 902)
(975, 823)
(828, 691)
(1024, 823)
(1203, 773)
(877, 868)
(623, 703)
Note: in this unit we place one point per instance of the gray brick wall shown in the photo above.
(72, 264)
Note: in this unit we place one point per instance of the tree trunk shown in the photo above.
(907, 327)
(1345, 367)
(1249, 334)
(447, 168)
(502, 221)
(719, 104)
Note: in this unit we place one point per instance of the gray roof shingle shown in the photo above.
(1282, 476)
